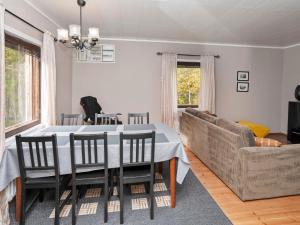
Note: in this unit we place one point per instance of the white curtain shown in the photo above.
(48, 81)
(9, 192)
(2, 81)
(169, 90)
(207, 91)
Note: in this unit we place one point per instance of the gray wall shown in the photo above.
(133, 82)
(63, 55)
(290, 79)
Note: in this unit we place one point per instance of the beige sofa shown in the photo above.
(228, 149)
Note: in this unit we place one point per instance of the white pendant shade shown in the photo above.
(74, 31)
(62, 35)
(73, 38)
(94, 33)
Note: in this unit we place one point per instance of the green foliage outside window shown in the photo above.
(188, 82)
(14, 86)
(22, 85)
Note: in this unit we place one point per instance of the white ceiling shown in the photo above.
(251, 22)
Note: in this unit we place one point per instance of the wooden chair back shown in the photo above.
(71, 119)
(137, 143)
(41, 152)
(89, 151)
(106, 119)
(138, 118)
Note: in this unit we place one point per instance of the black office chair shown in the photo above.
(71, 119)
(89, 159)
(40, 154)
(138, 118)
(138, 169)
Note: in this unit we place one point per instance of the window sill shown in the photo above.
(187, 106)
(11, 131)
(11, 139)
(181, 109)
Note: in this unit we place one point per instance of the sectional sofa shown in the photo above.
(229, 150)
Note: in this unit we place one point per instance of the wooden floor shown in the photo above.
(278, 211)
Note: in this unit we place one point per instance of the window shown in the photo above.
(22, 85)
(188, 83)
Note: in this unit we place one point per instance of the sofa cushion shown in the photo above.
(202, 115)
(209, 113)
(192, 111)
(207, 117)
(245, 133)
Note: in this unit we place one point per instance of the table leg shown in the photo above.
(18, 199)
(173, 182)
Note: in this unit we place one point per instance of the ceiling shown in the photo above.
(250, 22)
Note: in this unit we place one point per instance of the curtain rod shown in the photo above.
(25, 21)
(160, 53)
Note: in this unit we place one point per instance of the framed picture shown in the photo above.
(243, 75)
(242, 87)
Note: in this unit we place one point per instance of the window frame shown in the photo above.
(188, 64)
(36, 105)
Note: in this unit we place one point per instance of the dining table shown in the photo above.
(168, 147)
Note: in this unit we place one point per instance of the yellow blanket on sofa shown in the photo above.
(258, 129)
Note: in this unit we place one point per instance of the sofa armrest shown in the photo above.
(270, 171)
(266, 150)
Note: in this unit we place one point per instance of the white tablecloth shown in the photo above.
(168, 145)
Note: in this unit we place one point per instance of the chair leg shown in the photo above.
(118, 188)
(41, 195)
(111, 183)
(57, 211)
(147, 187)
(106, 201)
(82, 191)
(121, 202)
(74, 202)
(23, 206)
(151, 200)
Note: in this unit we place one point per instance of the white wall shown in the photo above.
(133, 82)
(63, 79)
(63, 54)
(290, 79)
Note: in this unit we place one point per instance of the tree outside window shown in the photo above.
(22, 85)
(188, 83)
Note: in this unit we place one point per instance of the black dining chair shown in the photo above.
(138, 118)
(106, 119)
(39, 154)
(71, 119)
(137, 169)
(92, 157)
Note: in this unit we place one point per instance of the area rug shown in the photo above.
(194, 206)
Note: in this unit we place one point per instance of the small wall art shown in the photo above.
(242, 87)
(243, 76)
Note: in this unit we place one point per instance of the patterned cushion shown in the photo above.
(245, 133)
(202, 115)
(267, 142)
